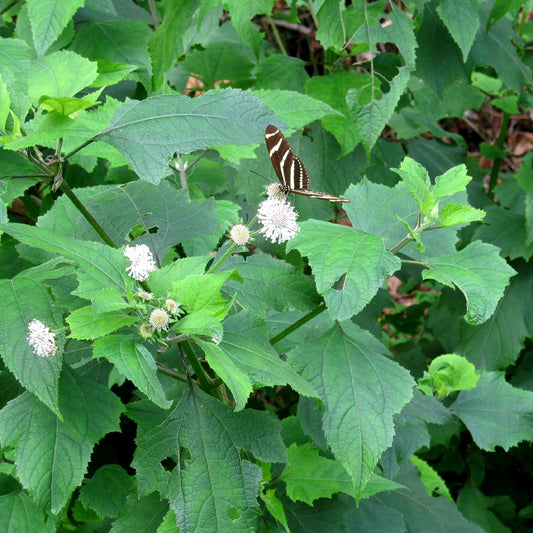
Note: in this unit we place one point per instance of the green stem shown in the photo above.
(222, 259)
(81, 146)
(496, 165)
(83, 210)
(167, 371)
(401, 244)
(205, 384)
(277, 36)
(299, 323)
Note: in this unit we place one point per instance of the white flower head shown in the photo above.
(146, 331)
(159, 318)
(275, 191)
(172, 306)
(278, 218)
(41, 339)
(239, 234)
(142, 261)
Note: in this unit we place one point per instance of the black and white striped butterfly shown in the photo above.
(289, 169)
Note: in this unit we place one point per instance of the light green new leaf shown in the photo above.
(102, 267)
(213, 484)
(162, 278)
(86, 324)
(48, 19)
(200, 323)
(431, 479)
(452, 214)
(202, 293)
(149, 132)
(24, 300)
(296, 109)
(416, 180)
(237, 380)
(349, 266)
(479, 272)
(361, 390)
(52, 455)
(496, 413)
(461, 17)
(62, 73)
(453, 180)
(133, 360)
(5, 103)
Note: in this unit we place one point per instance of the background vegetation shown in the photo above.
(374, 373)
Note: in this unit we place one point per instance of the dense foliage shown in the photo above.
(372, 373)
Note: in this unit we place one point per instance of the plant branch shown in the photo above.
(299, 323)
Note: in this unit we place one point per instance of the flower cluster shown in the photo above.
(142, 261)
(162, 315)
(278, 218)
(41, 339)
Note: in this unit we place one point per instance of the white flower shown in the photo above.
(146, 331)
(239, 234)
(279, 220)
(41, 339)
(275, 191)
(159, 318)
(172, 306)
(142, 261)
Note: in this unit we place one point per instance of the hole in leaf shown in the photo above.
(339, 284)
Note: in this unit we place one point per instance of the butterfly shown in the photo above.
(289, 169)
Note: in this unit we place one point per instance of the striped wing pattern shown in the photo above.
(289, 169)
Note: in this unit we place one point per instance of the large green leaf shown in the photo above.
(48, 19)
(25, 299)
(135, 362)
(360, 389)
(212, 487)
(269, 283)
(52, 455)
(349, 266)
(121, 209)
(479, 272)
(20, 513)
(496, 413)
(148, 133)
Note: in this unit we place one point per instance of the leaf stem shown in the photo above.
(277, 36)
(205, 384)
(83, 210)
(496, 165)
(80, 147)
(299, 323)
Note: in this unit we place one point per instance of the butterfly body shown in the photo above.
(289, 169)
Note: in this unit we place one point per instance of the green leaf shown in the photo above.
(14, 68)
(245, 347)
(294, 108)
(20, 513)
(333, 17)
(277, 71)
(101, 267)
(452, 181)
(310, 476)
(452, 214)
(52, 455)
(496, 413)
(133, 360)
(500, 8)
(25, 300)
(212, 436)
(202, 293)
(14, 164)
(71, 107)
(355, 261)
(148, 133)
(166, 42)
(48, 19)
(370, 119)
(506, 228)
(448, 373)
(478, 272)
(269, 283)
(416, 180)
(461, 17)
(51, 75)
(106, 492)
(86, 324)
(5, 103)
(200, 323)
(360, 390)
(434, 484)
(274, 506)
(119, 41)
(238, 381)
(141, 514)
(332, 90)
(163, 277)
